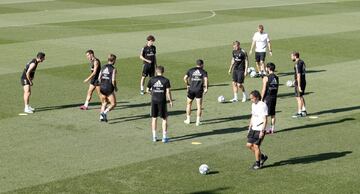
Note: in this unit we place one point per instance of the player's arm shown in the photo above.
(114, 80)
(142, 56)
(265, 80)
(31, 67)
(270, 49)
(96, 66)
(298, 78)
(168, 94)
(186, 80)
(148, 88)
(206, 84)
(252, 47)
(263, 130)
(246, 63)
(231, 65)
(250, 125)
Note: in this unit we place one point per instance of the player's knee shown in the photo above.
(249, 145)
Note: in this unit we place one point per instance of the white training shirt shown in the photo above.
(259, 112)
(261, 41)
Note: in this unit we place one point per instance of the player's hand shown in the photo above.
(299, 88)
(86, 80)
(31, 83)
(229, 72)
(171, 104)
(270, 52)
(262, 134)
(250, 52)
(148, 61)
(245, 73)
(205, 91)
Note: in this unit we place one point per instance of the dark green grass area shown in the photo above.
(291, 167)
(122, 2)
(146, 23)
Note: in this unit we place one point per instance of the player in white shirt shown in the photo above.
(256, 134)
(261, 42)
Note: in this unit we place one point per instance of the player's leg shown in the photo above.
(242, 88)
(189, 100)
(145, 73)
(27, 94)
(88, 97)
(198, 111)
(153, 128)
(103, 107)
(257, 62)
(262, 63)
(112, 103)
(273, 120)
(257, 153)
(142, 80)
(164, 128)
(235, 91)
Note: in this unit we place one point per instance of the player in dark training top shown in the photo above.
(107, 79)
(27, 79)
(148, 57)
(238, 66)
(269, 93)
(159, 89)
(196, 80)
(300, 83)
(95, 67)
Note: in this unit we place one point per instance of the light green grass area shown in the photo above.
(61, 149)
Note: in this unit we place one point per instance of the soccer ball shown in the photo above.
(253, 74)
(221, 99)
(290, 83)
(250, 69)
(204, 169)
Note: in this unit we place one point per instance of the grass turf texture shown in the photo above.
(61, 149)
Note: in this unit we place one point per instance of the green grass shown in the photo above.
(61, 149)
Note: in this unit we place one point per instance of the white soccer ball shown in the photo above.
(253, 74)
(204, 169)
(221, 99)
(290, 83)
(250, 69)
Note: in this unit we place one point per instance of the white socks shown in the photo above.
(235, 96)
(86, 103)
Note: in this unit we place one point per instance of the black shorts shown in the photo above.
(195, 94)
(271, 104)
(24, 81)
(94, 81)
(148, 70)
(253, 137)
(238, 76)
(297, 92)
(106, 89)
(260, 56)
(159, 109)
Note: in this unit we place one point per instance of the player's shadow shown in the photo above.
(316, 125)
(210, 86)
(224, 119)
(126, 106)
(212, 191)
(291, 94)
(92, 105)
(309, 159)
(336, 110)
(139, 117)
(292, 73)
(208, 133)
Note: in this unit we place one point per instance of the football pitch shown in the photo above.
(62, 149)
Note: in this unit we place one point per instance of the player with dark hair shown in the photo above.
(239, 65)
(269, 93)
(260, 41)
(159, 88)
(196, 80)
(27, 79)
(257, 130)
(107, 81)
(300, 83)
(95, 67)
(148, 56)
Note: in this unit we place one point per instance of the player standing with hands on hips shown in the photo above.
(27, 79)
(260, 41)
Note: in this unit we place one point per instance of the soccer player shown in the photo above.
(269, 93)
(257, 130)
(300, 83)
(95, 67)
(196, 80)
(27, 79)
(239, 65)
(159, 88)
(148, 57)
(261, 41)
(107, 79)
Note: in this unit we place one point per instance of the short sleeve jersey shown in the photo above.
(259, 112)
(239, 57)
(261, 41)
(158, 86)
(107, 74)
(300, 68)
(196, 77)
(272, 86)
(32, 73)
(149, 52)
